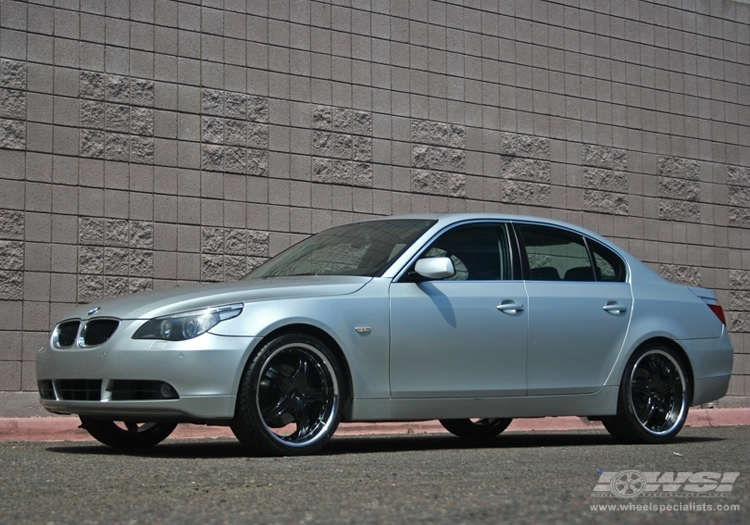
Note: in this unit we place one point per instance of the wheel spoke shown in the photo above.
(646, 411)
(276, 387)
(274, 414)
(672, 385)
(278, 379)
(301, 417)
(305, 379)
(655, 419)
(640, 387)
(654, 366)
(315, 394)
(299, 378)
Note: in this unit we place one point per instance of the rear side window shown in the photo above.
(554, 254)
(609, 266)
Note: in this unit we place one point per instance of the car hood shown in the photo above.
(147, 305)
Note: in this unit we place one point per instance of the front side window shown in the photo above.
(362, 249)
(554, 254)
(478, 252)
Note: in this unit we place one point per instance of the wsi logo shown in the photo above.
(632, 483)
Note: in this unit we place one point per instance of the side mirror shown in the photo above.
(435, 268)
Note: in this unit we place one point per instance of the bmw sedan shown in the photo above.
(471, 319)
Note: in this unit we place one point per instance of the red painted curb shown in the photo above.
(66, 428)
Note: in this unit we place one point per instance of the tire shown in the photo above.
(127, 435)
(289, 398)
(654, 397)
(485, 428)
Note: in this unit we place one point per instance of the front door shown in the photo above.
(464, 336)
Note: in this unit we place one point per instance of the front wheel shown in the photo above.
(127, 435)
(654, 397)
(289, 398)
(484, 428)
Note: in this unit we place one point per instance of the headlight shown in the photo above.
(187, 325)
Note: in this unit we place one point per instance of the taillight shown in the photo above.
(719, 311)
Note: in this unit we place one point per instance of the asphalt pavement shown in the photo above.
(520, 477)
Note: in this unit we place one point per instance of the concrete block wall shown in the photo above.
(151, 143)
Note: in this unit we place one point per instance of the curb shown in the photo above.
(66, 428)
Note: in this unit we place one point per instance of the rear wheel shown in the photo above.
(484, 428)
(127, 435)
(654, 397)
(290, 397)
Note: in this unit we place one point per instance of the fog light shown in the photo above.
(46, 391)
(166, 390)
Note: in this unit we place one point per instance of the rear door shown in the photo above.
(579, 309)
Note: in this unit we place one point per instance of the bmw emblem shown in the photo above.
(94, 310)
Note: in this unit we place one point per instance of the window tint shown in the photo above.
(553, 254)
(478, 252)
(609, 266)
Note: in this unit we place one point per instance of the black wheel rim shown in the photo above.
(297, 395)
(658, 392)
(488, 422)
(130, 428)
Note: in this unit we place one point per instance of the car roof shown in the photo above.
(445, 219)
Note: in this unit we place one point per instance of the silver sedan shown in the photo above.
(472, 319)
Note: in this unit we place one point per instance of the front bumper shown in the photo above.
(204, 374)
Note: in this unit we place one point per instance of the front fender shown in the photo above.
(359, 324)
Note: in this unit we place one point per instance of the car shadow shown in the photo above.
(347, 445)
(229, 447)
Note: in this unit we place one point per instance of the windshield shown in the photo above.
(364, 249)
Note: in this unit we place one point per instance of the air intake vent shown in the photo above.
(98, 331)
(130, 390)
(79, 389)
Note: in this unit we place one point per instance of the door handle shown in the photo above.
(510, 307)
(613, 307)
